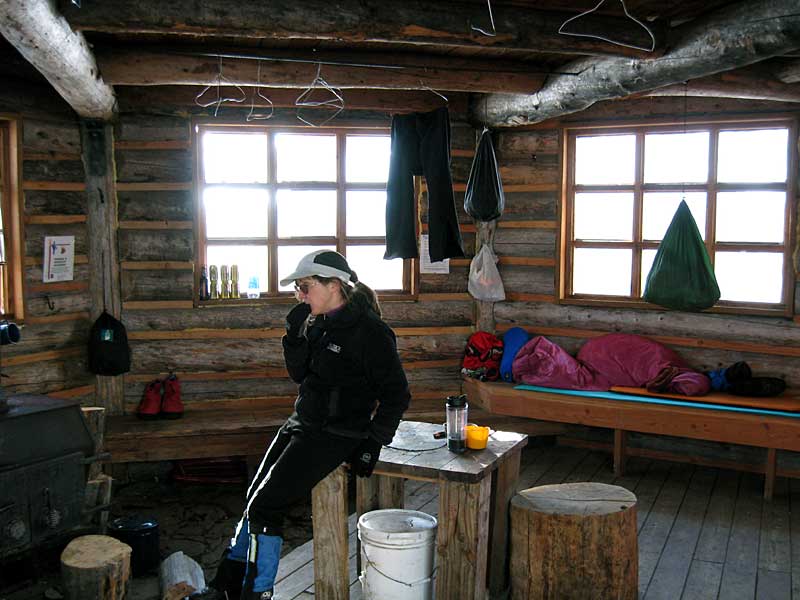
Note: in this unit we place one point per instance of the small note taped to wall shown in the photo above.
(425, 264)
(59, 258)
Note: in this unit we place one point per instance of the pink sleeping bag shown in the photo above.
(614, 359)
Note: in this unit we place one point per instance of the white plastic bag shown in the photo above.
(484, 278)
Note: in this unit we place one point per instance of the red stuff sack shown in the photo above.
(482, 356)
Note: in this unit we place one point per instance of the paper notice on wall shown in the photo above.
(425, 264)
(59, 258)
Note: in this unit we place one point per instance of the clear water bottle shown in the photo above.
(253, 288)
(456, 409)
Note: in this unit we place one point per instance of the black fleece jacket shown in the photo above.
(351, 380)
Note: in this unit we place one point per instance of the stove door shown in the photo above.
(15, 525)
(55, 490)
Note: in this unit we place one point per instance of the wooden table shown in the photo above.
(474, 493)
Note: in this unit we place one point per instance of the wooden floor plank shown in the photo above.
(676, 558)
(568, 459)
(794, 504)
(591, 463)
(741, 561)
(647, 490)
(703, 581)
(530, 472)
(655, 531)
(774, 549)
(713, 542)
(704, 530)
(773, 585)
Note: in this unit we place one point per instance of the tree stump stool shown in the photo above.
(95, 567)
(574, 540)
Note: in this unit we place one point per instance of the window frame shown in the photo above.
(340, 186)
(711, 187)
(11, 272)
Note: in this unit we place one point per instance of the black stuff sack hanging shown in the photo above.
(109, 352)
(682, 277)
(484, 199)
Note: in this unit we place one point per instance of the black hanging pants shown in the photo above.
(421, 146)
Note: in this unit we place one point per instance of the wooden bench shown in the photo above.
(749, 429)
(244, 427)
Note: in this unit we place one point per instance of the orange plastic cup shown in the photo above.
(477, 437)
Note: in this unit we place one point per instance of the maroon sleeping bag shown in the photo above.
(614, 359)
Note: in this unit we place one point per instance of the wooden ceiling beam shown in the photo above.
(744, 86)
(136, 98)
(789, 71)
(140, 67)
(735, 36)
(46, 40)
(411, 22)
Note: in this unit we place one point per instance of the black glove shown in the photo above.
(365, 456)
(295, 319)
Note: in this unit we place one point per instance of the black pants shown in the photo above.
(421, 146)
(294, 463)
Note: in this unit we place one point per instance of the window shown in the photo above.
(623, 187)
(11, 274)
(267, 196)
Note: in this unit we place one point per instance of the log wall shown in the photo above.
(225, 352)
(528, 229)
(51, 357)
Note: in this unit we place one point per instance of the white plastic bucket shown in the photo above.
(397, 549)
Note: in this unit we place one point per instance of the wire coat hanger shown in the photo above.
(652, 47)
(433, 91)
(252, 115)
(335, 100)
(491, 33)
(218, 82)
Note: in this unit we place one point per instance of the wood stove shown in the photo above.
(44, 449)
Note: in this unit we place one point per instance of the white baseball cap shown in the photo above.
(322, 263)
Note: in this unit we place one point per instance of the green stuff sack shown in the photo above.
(682, 277)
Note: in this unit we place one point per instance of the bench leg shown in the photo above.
(620, 451)
(769, 473)
(329, 508)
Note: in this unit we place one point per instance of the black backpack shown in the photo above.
(109, 353)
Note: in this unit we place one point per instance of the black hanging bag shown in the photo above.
(484, 200)
(109, 352)
(682, 277)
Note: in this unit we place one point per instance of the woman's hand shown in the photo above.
(296, 318)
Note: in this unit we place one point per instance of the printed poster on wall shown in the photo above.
(425, 264)
(59, 258)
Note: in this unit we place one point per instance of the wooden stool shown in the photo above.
(574, 540)
(95, 567)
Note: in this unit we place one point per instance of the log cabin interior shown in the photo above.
(169, 138)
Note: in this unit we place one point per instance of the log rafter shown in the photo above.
(736, 36)
(135, 67)
(46, 40)
(410, 23)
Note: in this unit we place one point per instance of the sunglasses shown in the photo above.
(303, 287)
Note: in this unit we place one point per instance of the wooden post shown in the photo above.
(97, 141)
(95, 417)
(96, 567)
(329, 507)
(462, 540)
(620, 451)
(574, 540)
(504, 484)
(769, 473)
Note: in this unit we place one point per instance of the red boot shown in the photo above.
(150, 405)
(171, 406)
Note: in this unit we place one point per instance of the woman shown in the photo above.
(352, 394)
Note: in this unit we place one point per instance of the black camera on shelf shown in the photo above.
(9, 333)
